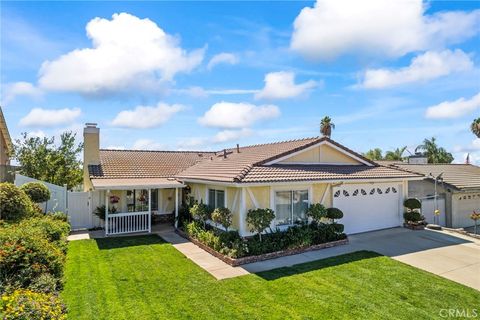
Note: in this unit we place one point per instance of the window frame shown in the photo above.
(273, 204)
(216, 189)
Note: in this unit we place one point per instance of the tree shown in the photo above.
(317, 211)
(201, 211)
(222, 216)
(434, 153)
(42, 159)
(259, 220)
(36, 191)
(475, 127)
(395, 155)
(374, 154)
(326, 126)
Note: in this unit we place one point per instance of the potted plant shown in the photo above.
(413, 219)
(475, 217)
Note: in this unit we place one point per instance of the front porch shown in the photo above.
(132, 205)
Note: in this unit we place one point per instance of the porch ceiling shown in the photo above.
(142, 183)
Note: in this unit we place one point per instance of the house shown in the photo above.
(6, 148)
(285, 176)
(458, 190)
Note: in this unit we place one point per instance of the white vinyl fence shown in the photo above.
(428, 208)
(58, 198)
(119, 223)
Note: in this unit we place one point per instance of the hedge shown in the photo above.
(14, 203)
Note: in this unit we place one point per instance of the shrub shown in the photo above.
(317, 211)
(201, 212)
(29, 305)
(100, 211)
(58, 215)
(25, 255)
(45, 283)
(338, 227)
(334, 213)
(412, 203)
(14, 203)
(259, 220)
(36, 191)
(412, 216)
(222, 216)
(52, 229)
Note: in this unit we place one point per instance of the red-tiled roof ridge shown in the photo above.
(272, 143)
(165, 151)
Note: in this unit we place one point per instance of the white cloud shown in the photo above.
(377, 27)
(50, 117)
(13, 90)
(145, 116)
(224, 57)
(127, 52)
(281, 85)
(113, 147)
(424, 67)
(230, 135)
(230, 115)
(454, 109)
(147, 144)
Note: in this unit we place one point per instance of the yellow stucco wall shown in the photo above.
(321, 154)
(261, 195)
(3, 150)
(91, 155)
(166, 200)
(318, 190)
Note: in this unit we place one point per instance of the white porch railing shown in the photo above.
(129, 222)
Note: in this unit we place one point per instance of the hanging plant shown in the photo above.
(114, 199)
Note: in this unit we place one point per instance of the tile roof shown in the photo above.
(248, 165)
(277, 173)
(143, 164)
(460, 176)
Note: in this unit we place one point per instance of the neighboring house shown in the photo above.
(7, 172)
(285, 176)
(458, 192)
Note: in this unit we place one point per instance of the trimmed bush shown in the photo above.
(259, 220)
(317, 212)
(36, 191)
(334, 213)
(412, 203)
(52, 229)
(14, 203)
(339, 228)
(26, 254)
(58, 215)
(201, 212)
(412, 216)
(29, 305)
(222, 216)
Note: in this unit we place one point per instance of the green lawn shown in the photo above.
(146, 278)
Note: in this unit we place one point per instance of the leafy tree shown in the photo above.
(201, 211)
(475, 127)
(374, 154)
(36, 191)
(222, 216)
(434, 153)
(259, 220)
(395, 155)
(43, 159)
(326, 126)
(317, 211)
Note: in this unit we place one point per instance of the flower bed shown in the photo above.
(234, 250)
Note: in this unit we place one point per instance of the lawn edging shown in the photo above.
(234, 262)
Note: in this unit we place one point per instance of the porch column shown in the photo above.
(176, 208)
(149, 210)
(106, 211)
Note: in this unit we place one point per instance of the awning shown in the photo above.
(135, 183)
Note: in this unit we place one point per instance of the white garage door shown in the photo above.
(463, 206)
(368, 207)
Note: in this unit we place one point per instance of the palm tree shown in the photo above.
(326, 126)
(475, 127)
(433, 152)
(395, 155)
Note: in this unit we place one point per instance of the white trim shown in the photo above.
(317, 145)
(273, 190)
(149, 210)
(235, 200)
(143, 187)
(327, 189)
(242, 225)
(213, 187)
(176, 208)
(252, 197)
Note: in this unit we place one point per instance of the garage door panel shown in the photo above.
(368, 207)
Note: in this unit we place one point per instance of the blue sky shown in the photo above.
(208, 75)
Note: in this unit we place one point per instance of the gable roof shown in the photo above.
(250, 165)
(143, 164)
(4, 131)
(459, 176)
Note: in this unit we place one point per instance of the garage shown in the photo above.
(463, 206)
(369, 206)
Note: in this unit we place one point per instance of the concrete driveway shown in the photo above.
(449, 255)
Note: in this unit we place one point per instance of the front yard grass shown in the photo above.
(146, 278)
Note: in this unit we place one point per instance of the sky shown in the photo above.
(208, 75)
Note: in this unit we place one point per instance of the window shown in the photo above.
(216, 198)
(290, 206)
(154, 199)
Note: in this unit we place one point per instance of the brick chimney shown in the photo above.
(91, 151)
